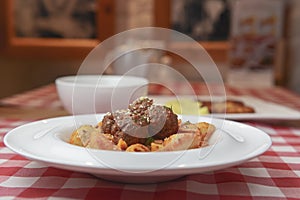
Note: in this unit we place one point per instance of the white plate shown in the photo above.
(45, 141)
(263, 109)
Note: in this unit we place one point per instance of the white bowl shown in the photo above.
(87, 94)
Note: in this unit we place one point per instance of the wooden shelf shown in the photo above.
(217, 50)
(50, 48)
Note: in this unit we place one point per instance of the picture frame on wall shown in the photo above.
(206, 21)
(54, 28)
(55, 18)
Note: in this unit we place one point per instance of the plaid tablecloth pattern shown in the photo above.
(47, 96)
(273, 175)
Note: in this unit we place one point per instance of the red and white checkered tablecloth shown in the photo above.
(273, 175)
(47, 96)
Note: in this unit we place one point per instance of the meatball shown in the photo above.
(140, 121)
(109, 125)
(163, 122)
(139, 110)
(121, 125)
(131, 131)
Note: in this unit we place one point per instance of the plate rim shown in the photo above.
(106, 170)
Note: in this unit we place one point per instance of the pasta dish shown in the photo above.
(143, 127)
